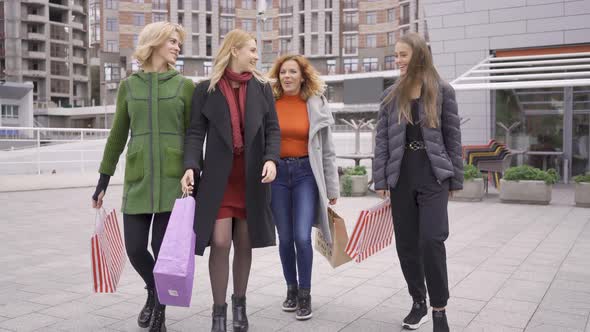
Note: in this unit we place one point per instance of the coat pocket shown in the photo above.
(173, 163)
(134, 168)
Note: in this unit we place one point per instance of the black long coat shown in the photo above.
(210, 117)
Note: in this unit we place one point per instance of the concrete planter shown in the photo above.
(583, 194)
(360, 185)
(473, 191)
(525, 192)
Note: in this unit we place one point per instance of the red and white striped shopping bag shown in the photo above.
(372, 232)
(108, 252)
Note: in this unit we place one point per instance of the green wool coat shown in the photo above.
(156, 108)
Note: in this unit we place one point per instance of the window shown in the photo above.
(138, 20)
(405, 14)
(285, 26)
(390, 38)
(112, 46)
(328, 22)
(248, 4)
(328, 4)
(314, 45)
(9, 111)
(248, 25)
(390, 15)
(226, 25)
(314, 22)
(268, 24)
(112, 72)
(328, 44)
(207, 68)
(350, 44)
(372, 18)
(351, 65)
(370, 64)
(285, 45)
(180, 66)
(351, 21)
(159, 17)
(135, 40)
(138, 1)
(111, 4)
(95, 32)
(331, 66)
(209, 46)
(371, 41)
(267, 46)
(405, 30)
(159, 4)
(111, 24)
(389, 62)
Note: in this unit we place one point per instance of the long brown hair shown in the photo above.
(420, 71)
(312, 83)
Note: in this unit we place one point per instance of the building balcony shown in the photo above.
(350, 51)
(60, 74)
(77, 25)
(35, 36)
(36, 18)
(285, 31)
(78, 42)
(227, 10)
(34, 73)
(80, 78)
(78, 60)
(78, 8)
(404, 20)
(348, 4)
(36, 2)
(34, 55)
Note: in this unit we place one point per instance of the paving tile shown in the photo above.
(488, 327)
(371, 325)
(29, 322)
(20, 308)
(84, 322)
(523, 290)
(547, 317)
(480, 285)
(313, 325)
(71, 309)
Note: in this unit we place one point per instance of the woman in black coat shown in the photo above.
(235, 110)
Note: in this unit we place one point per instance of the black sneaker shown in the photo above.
(417, 316)
(304, 302)
(290, 303)
(439, 321)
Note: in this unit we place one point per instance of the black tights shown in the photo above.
(136, 228)
(223, 232)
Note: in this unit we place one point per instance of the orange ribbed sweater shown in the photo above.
(294, 123)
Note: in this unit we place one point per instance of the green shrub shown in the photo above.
(471, 172)
(582, 178)
(346, 186)
(356, 170)
(526, 172)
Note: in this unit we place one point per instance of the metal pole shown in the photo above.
(38, 152)
(260, 9)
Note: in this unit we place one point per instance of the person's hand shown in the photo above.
(451, 193)
(382, 193)
(188, 181)
(333, 201)
(269, 172)
(99, 192)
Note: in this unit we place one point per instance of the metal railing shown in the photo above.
(32, 150)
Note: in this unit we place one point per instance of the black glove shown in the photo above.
(103, 183)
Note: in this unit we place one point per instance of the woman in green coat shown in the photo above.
(154, 104)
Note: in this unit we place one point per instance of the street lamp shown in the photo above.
(260, 9)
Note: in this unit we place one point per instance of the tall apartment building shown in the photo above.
(46, 42)
(338, 36)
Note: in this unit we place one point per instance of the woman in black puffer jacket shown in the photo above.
(418, 163)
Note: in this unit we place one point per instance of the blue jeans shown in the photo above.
(294, 207)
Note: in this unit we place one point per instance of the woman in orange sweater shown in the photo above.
(307, 178)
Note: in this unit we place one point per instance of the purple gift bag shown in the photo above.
(175, 269)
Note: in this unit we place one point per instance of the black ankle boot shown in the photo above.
(304, 304)
(219, 316)
(240, 320)
(145, 315)
(158, 322)
(290, 303)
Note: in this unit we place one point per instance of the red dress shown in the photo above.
(233, 204)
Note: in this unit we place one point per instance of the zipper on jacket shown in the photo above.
(151, 140)
(427, 155)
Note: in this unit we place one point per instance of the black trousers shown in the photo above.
(419, 207)
(136, 229)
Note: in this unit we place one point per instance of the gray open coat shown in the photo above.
(210, 116)
(322, 157)
(443, 143)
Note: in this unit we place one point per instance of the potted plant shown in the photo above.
(473, 188)
(582, 192)
(354, 181)
(526, 184)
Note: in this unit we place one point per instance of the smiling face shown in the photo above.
(170, 49)
(244, 59)
(403, 56)
(291, 78)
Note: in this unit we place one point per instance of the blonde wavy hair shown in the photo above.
(312, 84)
(153, 36)
(234, 39)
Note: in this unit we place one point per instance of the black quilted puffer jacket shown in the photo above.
(443, 144)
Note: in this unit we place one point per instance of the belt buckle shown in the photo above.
(415, 145)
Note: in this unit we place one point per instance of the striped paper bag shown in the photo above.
(108, 252)
(372, 232)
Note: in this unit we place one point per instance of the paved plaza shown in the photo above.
(511, 268)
